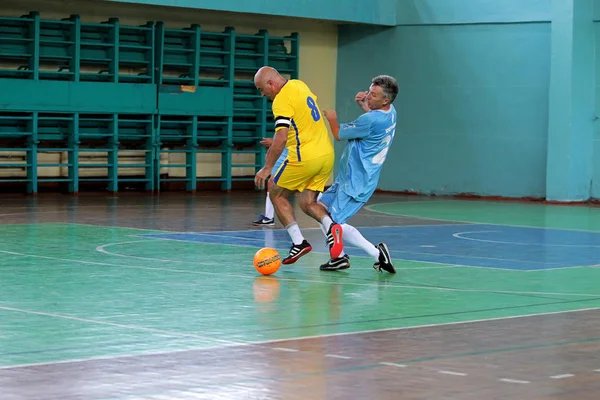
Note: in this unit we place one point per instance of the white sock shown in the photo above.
(354, 237)
(269, 209)
(326, 221)
(323, 230)
(294, 231)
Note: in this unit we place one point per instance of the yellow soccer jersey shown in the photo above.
(295, 107)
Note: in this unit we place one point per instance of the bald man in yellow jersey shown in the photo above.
(300, 127)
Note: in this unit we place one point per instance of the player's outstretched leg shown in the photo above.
(380, 252)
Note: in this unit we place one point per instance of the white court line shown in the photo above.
(473, 257)
(453, 373)
(258, 229)
(369, 207)
(563, 376)
(327, 335)
(122, 207)
(391, 364)
(102, 249)
(124, 326)
(459, 235)
(113, 357)
(437, 200)
(513, 381)
(436, 325)
(392, 285)
(447, 265)
(557, 268)
(150, 231)
(153, 231)
(338, 356)
(441, 264)
(398, 251)
(285, 349)
(216, 234)
(374, 284)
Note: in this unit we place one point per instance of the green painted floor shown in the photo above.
(506, 213)
(73, 291)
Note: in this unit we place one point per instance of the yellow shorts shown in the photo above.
(300, 175)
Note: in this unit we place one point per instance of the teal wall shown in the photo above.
(475, 96)
(471, 11)
(465, 106)
(379, 12)
(571, 102)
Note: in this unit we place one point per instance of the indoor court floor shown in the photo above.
(131, 296)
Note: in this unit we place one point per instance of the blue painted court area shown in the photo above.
(473, 245)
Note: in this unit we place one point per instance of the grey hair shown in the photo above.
(389, 86)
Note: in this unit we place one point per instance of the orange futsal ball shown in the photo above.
(267, 261)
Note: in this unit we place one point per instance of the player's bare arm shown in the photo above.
(331, 116)
(275, 150)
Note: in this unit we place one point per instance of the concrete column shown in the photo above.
(572, 101)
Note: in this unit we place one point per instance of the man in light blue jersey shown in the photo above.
(369, 139)
(268, 218)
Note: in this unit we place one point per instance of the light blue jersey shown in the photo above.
(369, 139)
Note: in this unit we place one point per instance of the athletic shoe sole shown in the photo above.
(338, 245)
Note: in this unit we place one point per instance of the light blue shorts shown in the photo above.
(279, 161)
(341, 206)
